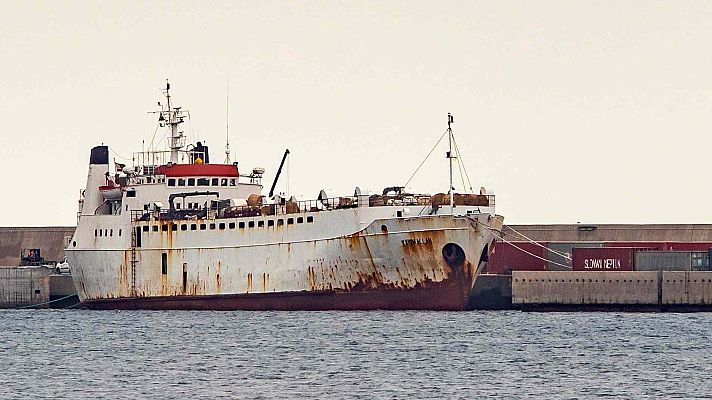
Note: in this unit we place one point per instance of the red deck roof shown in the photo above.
(179, 170)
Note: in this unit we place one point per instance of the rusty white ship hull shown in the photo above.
(428, 262)
(180, 233)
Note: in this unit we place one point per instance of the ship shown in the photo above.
(175, 231)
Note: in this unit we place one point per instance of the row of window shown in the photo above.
(230, 225)
(105, 232)
(202, 182)
(222, 225)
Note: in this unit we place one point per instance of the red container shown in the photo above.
(660, 246)
(603, 258)
(689, 246)
(506, 257)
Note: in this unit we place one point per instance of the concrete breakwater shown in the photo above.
(35, 287)
(605, 290)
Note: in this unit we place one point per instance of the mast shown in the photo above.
(450, 120)
(174, 118)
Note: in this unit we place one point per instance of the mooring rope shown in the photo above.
(489, 228)
(47, 302)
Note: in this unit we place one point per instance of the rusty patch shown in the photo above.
(249, 282)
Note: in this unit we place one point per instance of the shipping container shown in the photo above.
(507, 258)
(603, 258)
(557, 262)
(663, 261)
(641, 245)
(689, 246)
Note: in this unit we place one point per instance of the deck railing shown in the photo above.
(293, 207)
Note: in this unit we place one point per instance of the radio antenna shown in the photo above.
(227, 121)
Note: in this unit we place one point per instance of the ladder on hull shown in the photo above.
(134, 261)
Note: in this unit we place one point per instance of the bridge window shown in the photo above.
(280, 222)
(131, 193)
(174, 227)
(155, 228)
(171, 182)
(300, 220)
(184, 227)
(231, 225)
(191, 181)
(270, 223)
(233, 182)
(260, 224)
(203, 182)
(241, 225)
(222, 225)
(290, 221)
(164, 228)
(145, 228)
(251, 224)
(212, 227)
(310, 219)
(193, 227)
(223, 182)
(215, 182)
(203, 227)
(181, 182)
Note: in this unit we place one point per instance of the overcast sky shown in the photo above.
(598, 112)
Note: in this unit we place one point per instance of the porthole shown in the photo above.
(280, 222)
(184, 227)
(164, 228)
(300, 220)
(221, 225)
(203, 227)
(193, 227)
(270, 222)
(290, 221)
(241, 225)
(212, 227)
(174, 227)
(251, 224)
(231, 225)
(74, 243)
(310, 219)
(260, 224)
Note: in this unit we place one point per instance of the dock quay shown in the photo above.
(28, 276)
(604, 290)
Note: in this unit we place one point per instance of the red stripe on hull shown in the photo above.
(449, 296)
